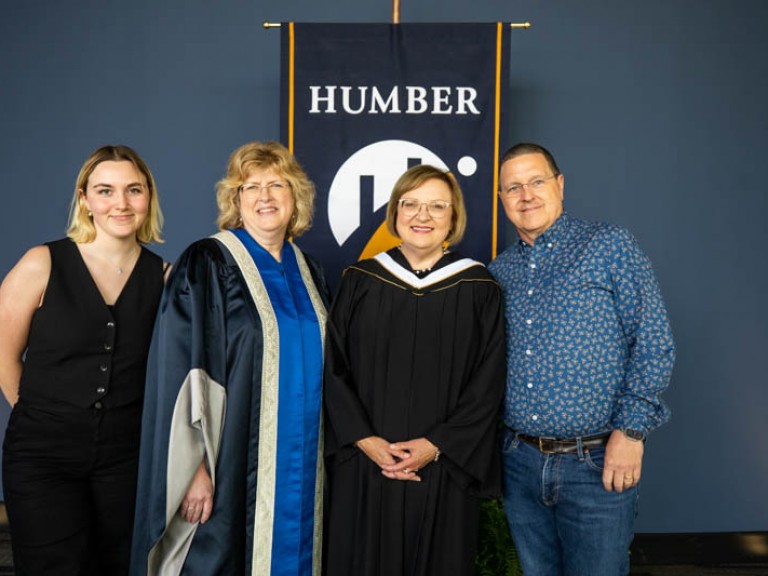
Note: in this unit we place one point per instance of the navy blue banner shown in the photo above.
(364, 102)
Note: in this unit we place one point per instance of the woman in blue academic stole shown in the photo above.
(230, 479)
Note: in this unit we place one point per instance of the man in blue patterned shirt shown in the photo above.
(589, 351)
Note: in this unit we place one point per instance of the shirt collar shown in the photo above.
(552, 235)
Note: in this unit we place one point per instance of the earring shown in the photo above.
(90, 214)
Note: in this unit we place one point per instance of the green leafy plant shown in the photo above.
(496, 554)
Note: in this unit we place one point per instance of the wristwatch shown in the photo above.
(633, 434)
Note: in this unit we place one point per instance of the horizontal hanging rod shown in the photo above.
(517, 25)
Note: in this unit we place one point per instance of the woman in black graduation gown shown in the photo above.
(414, 379)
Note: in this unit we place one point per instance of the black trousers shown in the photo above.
(69, 477)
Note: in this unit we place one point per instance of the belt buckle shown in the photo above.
(543, 439)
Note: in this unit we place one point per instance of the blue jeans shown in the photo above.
(563, 522)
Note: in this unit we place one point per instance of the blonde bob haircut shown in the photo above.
(80, 226)
(413, 178)
(265, 156)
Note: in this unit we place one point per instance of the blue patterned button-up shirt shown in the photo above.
(589, 346)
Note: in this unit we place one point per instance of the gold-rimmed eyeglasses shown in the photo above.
(272, 188)
(532, 186)
(437, 209)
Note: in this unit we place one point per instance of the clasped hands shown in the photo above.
(399, 460)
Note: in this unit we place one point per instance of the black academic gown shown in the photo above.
(409, 358)
(208, 369)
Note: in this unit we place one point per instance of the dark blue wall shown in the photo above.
(656, 110)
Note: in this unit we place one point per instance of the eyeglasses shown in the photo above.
(435, 208)
(533, 186)
(272, 188)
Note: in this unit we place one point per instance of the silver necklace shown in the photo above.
(120, 269)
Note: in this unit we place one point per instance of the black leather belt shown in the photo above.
(565, 445)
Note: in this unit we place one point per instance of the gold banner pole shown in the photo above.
(395, 11)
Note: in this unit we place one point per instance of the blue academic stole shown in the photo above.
(300, 377)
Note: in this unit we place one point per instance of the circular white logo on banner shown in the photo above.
(373, 170)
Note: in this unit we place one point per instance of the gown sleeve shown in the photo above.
(184, 406)
(348, 419)
(467, 437)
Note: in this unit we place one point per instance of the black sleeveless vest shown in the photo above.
(82, 352)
